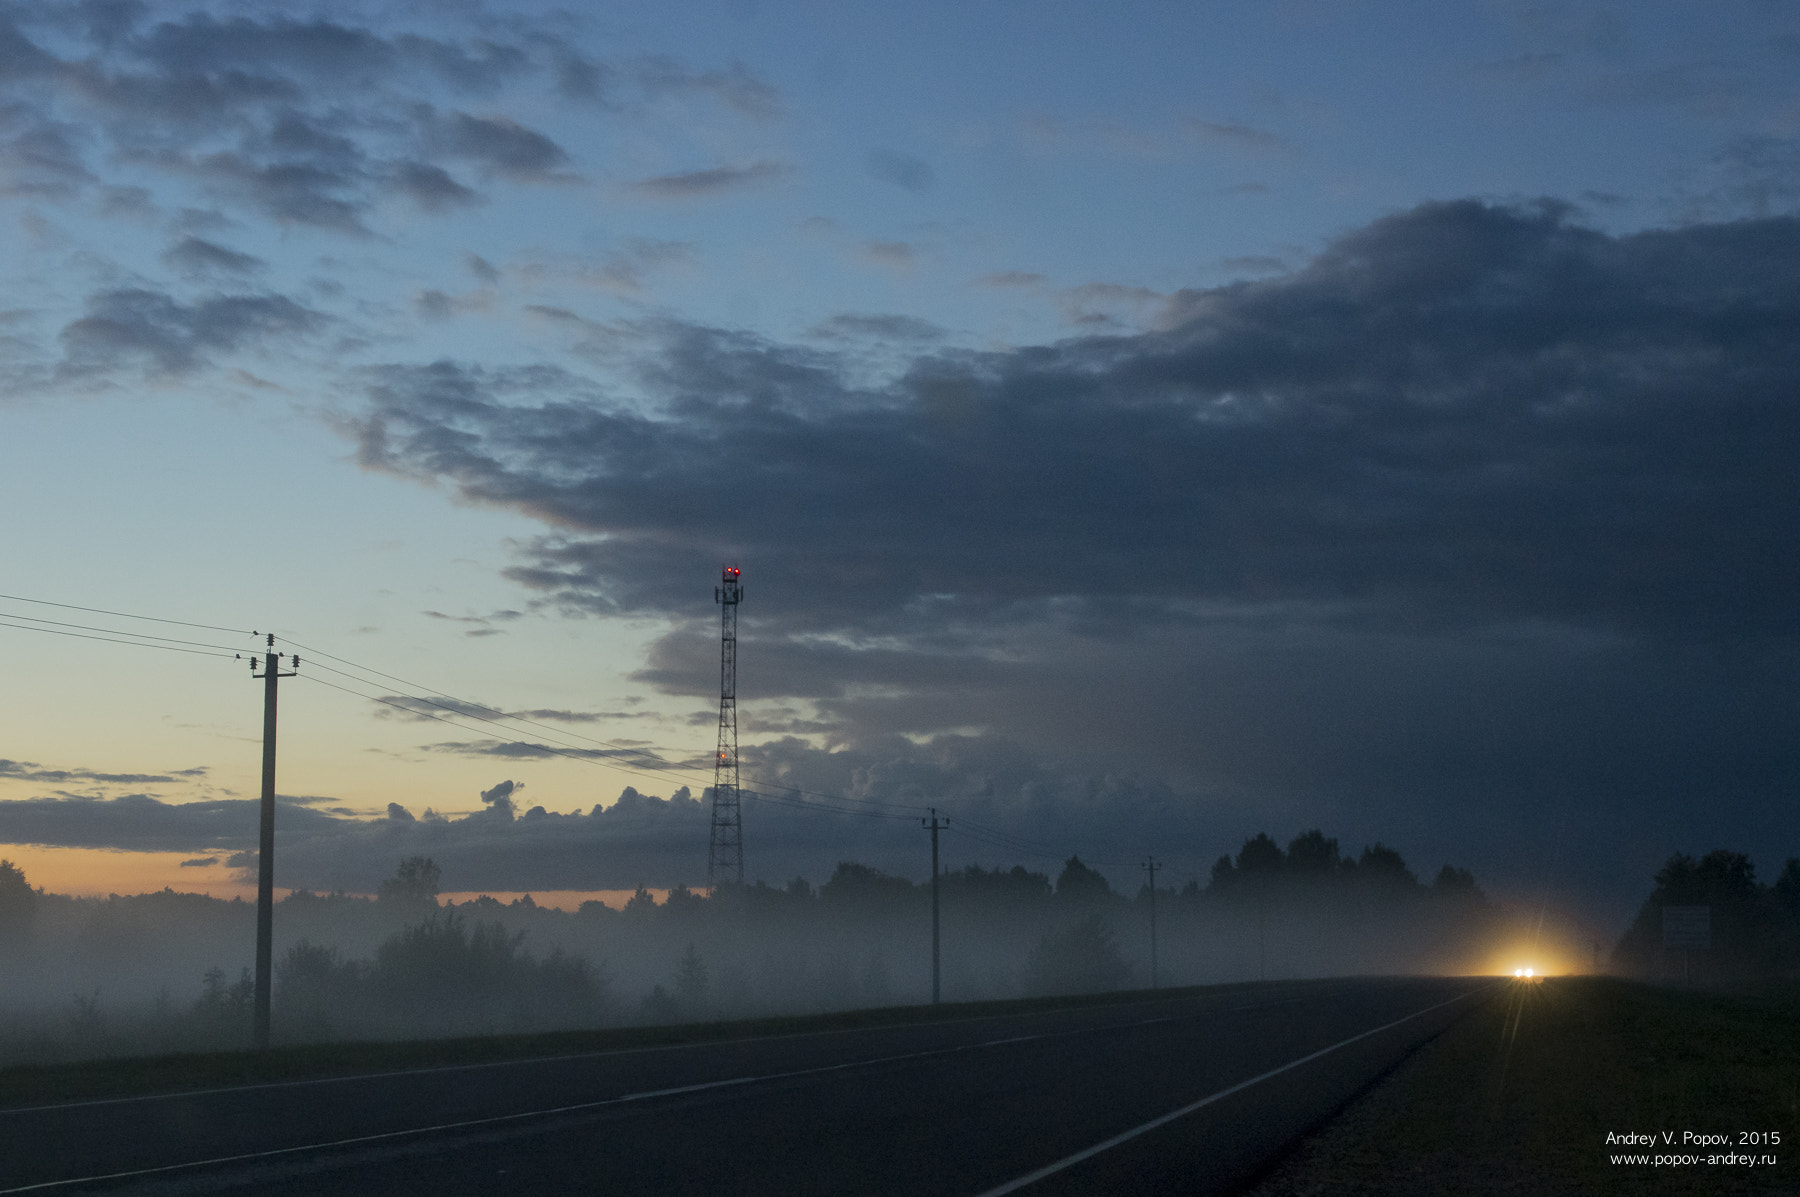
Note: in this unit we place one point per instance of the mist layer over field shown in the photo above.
(168, 971)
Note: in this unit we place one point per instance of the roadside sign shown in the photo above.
(1687, 926)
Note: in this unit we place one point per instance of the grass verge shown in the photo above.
(1519, 1097)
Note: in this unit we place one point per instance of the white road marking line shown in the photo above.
(569, 1109)
(1070, 1160)
(177, 1094)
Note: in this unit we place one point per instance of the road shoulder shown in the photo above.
(1519, 1097)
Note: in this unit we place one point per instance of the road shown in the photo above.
(1191, 1093)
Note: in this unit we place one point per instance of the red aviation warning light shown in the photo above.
(732, 591)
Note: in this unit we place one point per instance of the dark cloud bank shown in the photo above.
(1474, 534)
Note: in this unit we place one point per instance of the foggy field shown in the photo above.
(1520, 1096)
(167, 972)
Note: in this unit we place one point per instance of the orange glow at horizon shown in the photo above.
(560, 899)
(97, 872)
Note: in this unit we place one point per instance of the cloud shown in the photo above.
(142, 823)
(1477, 502)
(196, 257)
(482, 269)
(1252, 264)
(1416, 417)
(430, 187)
(1755, 175)
(637, 838)
(499, 799)
(39, 158)
(695, 183)
(521, 750)
(322, 195)
(498, 145)
(902, 170)
(137, 325)
(434, 305)
(851, 326)
(896, 254)
(626, 271)
(1235, 136)
(308, 122)
(28, 771)
(1012, 278)
(735, 86)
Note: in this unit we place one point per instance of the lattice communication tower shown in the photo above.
(725, 850)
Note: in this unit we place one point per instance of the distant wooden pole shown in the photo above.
(1150, 866)
(934, 826)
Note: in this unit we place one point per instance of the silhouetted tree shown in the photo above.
(18, 901)
(1457, 887)
(658, 1007)
(1078, 883)
(639, 905)
(974, 886)
(223, 1011)
(683, 904)
(1080, 957)
(313, 985)
(858, 887)
(1382, 872)
(1260, 858)
(693, 986)
(1311, 855)
(1224, 876)
(413, 889)
(1743, 936)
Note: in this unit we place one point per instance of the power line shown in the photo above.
(112, 640)
(445, 694)
(467, 714)
(591, 757)
(19, 598)
(1033, 848)
(565, 734)
(606, 759)
(821, 807)
(776, 785)
(116, 631)
(829, 802)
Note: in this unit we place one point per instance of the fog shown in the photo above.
(169, 972)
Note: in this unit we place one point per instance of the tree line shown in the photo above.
(1755, 928)
(402, 962)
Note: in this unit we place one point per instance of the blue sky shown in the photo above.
(1140, 425)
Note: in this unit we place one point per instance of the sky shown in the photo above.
(1139, 426)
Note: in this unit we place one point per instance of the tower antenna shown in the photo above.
(725, 850)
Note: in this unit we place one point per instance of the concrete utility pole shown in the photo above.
(934, 826)
(1151, 866)
(265, 868)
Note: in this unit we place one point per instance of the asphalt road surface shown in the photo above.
(1190, 1094)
